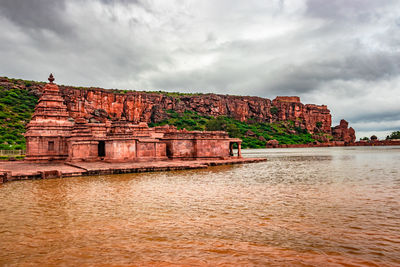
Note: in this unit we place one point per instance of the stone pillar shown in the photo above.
(3, 177)
(239, 150)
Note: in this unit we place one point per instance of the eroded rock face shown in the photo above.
(342, 132)
(150, 107)
(314, 118)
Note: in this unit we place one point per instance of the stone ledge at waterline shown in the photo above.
(19, 170)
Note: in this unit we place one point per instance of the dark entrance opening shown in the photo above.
(51, 146)
(102, 149)
(169, 152)
(232, 146)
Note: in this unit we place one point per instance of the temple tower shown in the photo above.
(50, 127)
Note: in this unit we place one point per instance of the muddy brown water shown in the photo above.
(303, 207)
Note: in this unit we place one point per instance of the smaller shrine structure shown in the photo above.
(53, 135)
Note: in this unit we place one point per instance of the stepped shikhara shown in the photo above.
(50, 127)
(58, 133)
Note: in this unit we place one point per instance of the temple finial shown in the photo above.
(51, 78)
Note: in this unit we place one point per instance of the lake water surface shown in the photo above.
(303, 207)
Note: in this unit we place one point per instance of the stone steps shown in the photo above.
(19, 170)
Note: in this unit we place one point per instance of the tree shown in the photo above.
(216, 124)
(393, 135)
(232, 130)
(274, 110)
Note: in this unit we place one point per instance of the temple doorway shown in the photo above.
(235, 145)
(232, 145)
(102, 149)
(169, 152)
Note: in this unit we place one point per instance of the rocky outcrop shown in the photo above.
(342, 132)
(314, 118)
(272, 143)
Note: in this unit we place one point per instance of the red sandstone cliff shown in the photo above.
(99, 104)
(150, 107)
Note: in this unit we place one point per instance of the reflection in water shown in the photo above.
(302, 207)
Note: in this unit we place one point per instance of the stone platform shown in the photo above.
(20, 170)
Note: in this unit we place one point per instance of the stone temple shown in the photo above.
(52, 135)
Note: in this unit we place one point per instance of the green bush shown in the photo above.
(216, 124)
(237, 129)
(16, 109)
(393, 135)
(274, 110)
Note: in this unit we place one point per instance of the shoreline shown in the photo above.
(339, 144)
(22, 170)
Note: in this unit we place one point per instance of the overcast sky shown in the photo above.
(343, 53)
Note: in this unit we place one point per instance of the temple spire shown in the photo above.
(51, 78)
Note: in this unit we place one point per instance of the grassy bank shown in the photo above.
(16, 108)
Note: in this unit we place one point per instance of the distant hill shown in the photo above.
(253, 119)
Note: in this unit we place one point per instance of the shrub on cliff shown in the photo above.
(216, 124)
(223, 124)
(274, 110)
(284, 132)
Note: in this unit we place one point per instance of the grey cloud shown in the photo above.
(344, 9)
(126, 2)
(383, 116)
(309, 76)
(36, 14)
(377, 128)
(265, 79)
